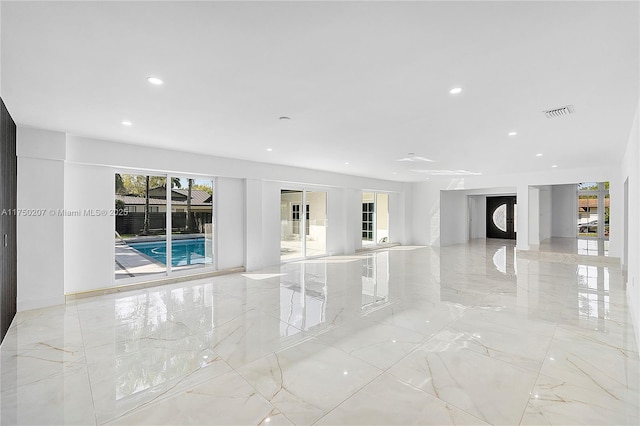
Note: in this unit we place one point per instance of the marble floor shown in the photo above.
(467, 334)
(579, 246)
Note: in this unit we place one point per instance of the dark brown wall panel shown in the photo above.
(8, 204)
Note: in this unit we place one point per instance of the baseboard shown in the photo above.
(151, 283)
(27, 305)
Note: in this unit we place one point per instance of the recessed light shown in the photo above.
(554, 166)
(346, 163)
(269, 149)
(512, 133)
(539, 154)
(455, 90)
(155, 80)
(394, 173)
(126, 123)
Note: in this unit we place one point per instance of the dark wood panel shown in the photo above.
(8, 222)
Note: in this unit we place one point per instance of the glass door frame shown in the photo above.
(375, 237)
(169, 273)
(601, 193)
(303, 220)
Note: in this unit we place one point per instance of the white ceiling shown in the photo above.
(363, 82)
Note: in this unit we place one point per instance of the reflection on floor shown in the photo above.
(292, 249)
(572, 250)
(580, 246)
(468, 334)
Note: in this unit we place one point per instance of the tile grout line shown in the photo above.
(535, 382)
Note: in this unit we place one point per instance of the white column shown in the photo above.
(522, 236)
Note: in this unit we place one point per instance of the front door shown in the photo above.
(501, 217)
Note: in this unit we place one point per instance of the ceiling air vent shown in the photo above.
(559, 112)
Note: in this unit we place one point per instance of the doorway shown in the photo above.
(303, 224)
(501, 217)
(375, 218)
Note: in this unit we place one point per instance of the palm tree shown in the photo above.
(147, 186)
(145, 229)
(189, 215)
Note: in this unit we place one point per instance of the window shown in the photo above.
(593, 210)
(367, 221)
(295, 217)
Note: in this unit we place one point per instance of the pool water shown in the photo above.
(183, 252)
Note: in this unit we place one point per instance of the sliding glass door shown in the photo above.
(375, 218)
(593, 210)
(290, 224)
(141, 226)
(303, 224)
(316, 241)
(191, 223)
(382, 218)
(149, 218)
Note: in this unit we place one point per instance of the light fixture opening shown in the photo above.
(512, 133)
(155, 81)
(456, 90)
(126, 123)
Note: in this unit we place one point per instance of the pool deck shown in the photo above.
(131, 263)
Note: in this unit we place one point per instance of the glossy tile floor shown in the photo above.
(408, 335)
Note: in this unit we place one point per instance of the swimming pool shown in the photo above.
(183, 252)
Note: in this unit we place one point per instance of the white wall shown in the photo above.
(544, 213)
(534, 213)
(230, 222)
(108, 153)
(76, 253)
(478, 216)
(396, 217)
(88, 240)
(454, 228)
(337, 223)
(563, 211)
(351, 206)
(270, 225)
(40, 238)
(631, 170)
(425, 223)
(253, 223)
(540, 212)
